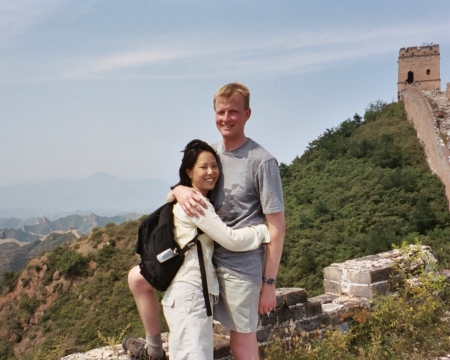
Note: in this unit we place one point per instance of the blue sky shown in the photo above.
(121, 86)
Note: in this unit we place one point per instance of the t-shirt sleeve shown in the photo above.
(248, 238)
(270, 190)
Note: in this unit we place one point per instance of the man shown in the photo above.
(248, 192)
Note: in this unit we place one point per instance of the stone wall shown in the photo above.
(348, 287)
(420, 114)
(447, 91)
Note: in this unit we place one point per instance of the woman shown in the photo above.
(191, 331)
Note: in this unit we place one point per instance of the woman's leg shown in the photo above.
(191, 331)
(146, 301)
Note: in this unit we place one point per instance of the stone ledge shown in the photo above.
(369, 275)
(290, 296)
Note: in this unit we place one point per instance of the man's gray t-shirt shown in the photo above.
(248, 188)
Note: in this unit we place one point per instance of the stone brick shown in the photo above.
(313, 308)
(281, 315)
(372, 276)
(288, 328)
(290, 296)
(266, 333)
(324, 298)
(333, 312)
(333, 273)
(367, 291)
(332, 287)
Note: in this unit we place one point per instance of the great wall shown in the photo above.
(349, 286)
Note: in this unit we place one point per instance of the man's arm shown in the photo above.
(190, 200)
(267, 298)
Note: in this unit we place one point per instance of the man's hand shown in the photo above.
(267, 299)
(190, 200)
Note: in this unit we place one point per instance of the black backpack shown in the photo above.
(161, 256)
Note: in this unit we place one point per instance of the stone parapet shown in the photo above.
(369, 275)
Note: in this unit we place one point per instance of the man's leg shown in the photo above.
(237, 310)
(148, 308)
(244, 345)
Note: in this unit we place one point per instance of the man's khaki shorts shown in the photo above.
(237, 308)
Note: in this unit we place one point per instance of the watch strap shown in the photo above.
(269, 280)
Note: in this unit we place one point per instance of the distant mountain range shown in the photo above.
(100, 193)
(43, 226)
(19, 242)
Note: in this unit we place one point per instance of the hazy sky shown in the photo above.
(121, 86)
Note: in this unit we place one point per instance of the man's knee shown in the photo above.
(137, 282)
(244, 345)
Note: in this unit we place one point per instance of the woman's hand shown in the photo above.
(190, 200)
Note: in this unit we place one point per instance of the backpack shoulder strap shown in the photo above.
(204, 280)
(201, 261)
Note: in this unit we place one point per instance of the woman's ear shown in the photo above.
(189, 173)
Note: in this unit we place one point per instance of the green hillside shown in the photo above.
(91, 295)
(356, 190)
(14, 257)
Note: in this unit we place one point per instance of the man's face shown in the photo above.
(231, 116)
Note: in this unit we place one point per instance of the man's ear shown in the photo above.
(248, 113)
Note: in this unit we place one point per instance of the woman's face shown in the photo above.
(205, 173)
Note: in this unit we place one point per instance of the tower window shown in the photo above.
(428, 71)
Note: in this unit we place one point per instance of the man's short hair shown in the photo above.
(228, 90)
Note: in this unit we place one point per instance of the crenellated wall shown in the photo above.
(419, 50)
(420, 114)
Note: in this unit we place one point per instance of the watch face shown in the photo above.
(269, 281)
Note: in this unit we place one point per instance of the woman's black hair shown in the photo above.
(191, 153)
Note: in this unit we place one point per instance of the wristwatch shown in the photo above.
(269, 280)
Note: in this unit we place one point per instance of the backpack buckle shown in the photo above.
(191, 244)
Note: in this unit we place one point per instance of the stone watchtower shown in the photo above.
(419, 65)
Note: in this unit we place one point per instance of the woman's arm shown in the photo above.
(244, 239)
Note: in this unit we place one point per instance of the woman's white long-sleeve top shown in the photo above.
(214, 230)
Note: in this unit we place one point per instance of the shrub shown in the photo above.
(7, 280)
(72, 263)
(5, 349)
(374, 110)
(29, 304)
